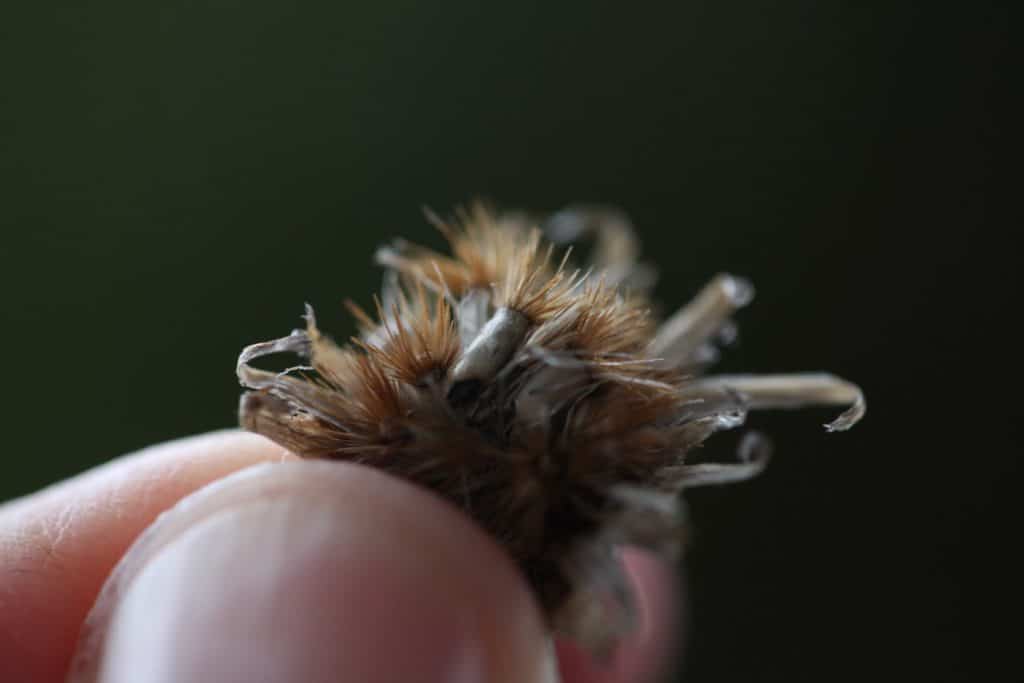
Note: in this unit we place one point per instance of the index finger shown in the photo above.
(57, 546)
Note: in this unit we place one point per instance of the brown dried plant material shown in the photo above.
(544, 401)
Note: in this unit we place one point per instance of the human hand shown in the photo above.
(262, 567)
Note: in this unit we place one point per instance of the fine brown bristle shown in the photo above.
(485, 252)
(418, 341)
(546, 402)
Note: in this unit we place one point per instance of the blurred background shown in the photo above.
(177, 179)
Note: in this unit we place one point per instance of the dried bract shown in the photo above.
(544, 401)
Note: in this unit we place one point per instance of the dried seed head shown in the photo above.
(547, 404)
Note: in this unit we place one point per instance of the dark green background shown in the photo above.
(177, 179)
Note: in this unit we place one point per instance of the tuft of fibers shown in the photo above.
(545, 401)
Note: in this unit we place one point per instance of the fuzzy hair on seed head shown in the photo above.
(545, 401)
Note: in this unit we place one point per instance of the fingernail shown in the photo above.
(314, 572)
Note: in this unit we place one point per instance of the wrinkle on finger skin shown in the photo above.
(58, 545)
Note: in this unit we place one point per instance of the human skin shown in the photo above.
(266, 567)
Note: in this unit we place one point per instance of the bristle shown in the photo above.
(541, 399)
(419, 340)
(363, 318)
(484, 252)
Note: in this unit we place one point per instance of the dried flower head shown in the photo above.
(544, 401)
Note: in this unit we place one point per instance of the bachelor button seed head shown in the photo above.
(544, 401)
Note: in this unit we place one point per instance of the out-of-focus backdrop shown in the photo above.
(178, 178)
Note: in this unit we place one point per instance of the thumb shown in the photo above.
(314, 572)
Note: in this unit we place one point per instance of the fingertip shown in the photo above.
(58, 545)
(314, 571)
(648, 653)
